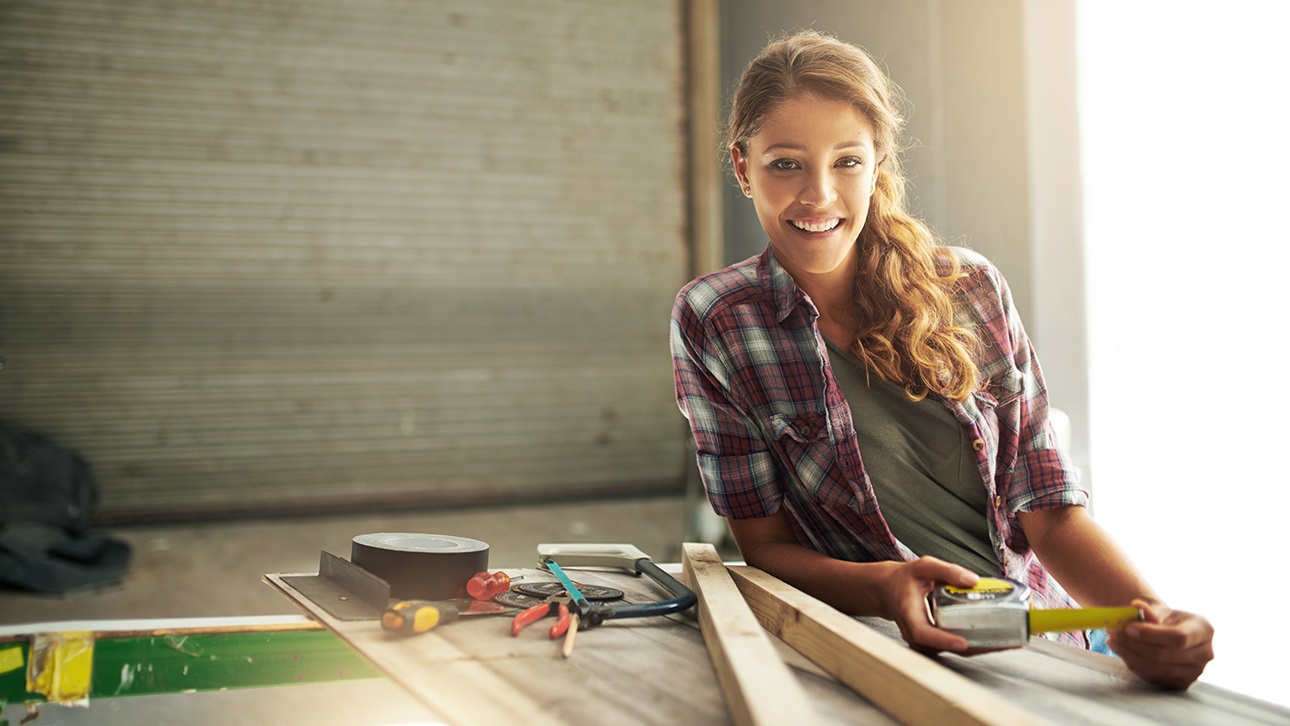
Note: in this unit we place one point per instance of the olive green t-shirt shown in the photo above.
(922, 468)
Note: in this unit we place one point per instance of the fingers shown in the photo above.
(1170, 648)
(932, 571)
(908, 592)
(1167, 669)
(917, 629)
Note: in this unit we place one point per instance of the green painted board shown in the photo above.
(177, 663)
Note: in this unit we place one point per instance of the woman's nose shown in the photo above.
(819, 191)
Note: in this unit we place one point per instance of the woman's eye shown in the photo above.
(850, 162)
(783, 164)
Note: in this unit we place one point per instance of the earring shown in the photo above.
(748, 191)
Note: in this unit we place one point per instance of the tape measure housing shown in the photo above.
(992, 614)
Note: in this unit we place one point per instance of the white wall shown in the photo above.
(1185, 180)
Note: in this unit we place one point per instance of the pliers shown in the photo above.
(557, 604)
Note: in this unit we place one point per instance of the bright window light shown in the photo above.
(1187, 185)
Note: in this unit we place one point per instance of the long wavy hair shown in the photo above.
(904, 280)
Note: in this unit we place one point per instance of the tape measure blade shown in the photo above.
(1063, 620)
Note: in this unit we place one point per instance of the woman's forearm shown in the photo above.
(1084, 558)
(855, 588)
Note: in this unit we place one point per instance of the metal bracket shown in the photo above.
(345, 590)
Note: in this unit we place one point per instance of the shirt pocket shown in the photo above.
(1002, 388)
(802, 443)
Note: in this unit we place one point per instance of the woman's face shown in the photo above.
(810, 172)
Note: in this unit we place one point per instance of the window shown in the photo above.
(1186, 163)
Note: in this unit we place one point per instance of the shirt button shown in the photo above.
(978, 444)
(806, 431)
(998, 502)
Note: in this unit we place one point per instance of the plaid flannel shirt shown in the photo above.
(773, 429)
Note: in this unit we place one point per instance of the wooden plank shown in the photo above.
(758, 687)
(154, 627)
(909, 686)
(703, 46)
(652, 671)
(473, 671)
(439, 674)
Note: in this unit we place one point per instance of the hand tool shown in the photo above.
(486, 585)
(569, 587)
(544, 589)
(997, 613)
(580, 605)
(410, 617)
(620, 557)
(556, 604)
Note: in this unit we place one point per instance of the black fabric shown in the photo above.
(41, 481)
(46, 559)
(47, 497)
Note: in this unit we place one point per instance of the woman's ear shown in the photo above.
(740, 164)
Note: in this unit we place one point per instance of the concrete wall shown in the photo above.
(991, 105)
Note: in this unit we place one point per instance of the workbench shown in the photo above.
(657, 671)
(640, 671)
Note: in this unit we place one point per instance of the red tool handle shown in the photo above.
(486, 585)
(532, 615)
(561, 621)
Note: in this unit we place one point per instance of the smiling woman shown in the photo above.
(866, 406)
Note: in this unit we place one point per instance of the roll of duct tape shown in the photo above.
(421, 566)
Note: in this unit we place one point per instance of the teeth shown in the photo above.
(824, 226)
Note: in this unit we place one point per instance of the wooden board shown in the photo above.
(656, 671)
(155, 627)
(758, 686)
(911, 687)
(637, 671)
(1071, 686)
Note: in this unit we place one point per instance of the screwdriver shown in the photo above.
(417, 616)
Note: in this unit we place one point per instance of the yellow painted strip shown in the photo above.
(61, 666)
(10, 659)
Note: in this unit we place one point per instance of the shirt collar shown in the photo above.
(778, 285)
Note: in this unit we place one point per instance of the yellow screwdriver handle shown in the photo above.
(417, 616)
(1062, 620)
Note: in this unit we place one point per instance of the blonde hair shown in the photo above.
(904, 281)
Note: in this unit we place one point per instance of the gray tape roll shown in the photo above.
(421, 566)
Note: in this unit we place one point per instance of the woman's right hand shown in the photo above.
(904, 590)
(894, 590)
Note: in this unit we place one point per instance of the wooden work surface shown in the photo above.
(656, 671)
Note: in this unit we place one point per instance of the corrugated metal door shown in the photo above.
(261, 254)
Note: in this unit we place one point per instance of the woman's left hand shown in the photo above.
(1170, 648)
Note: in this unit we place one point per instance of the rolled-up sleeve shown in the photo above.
(737, 469)
(1042, 475)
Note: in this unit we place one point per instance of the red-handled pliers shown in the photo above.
(557, 604)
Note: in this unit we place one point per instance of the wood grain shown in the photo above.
(442, 676)
(641, 670)
(654, 671)
(758, 687)
(707, 224)
(911, 687)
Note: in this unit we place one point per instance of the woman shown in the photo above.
(868, 411)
